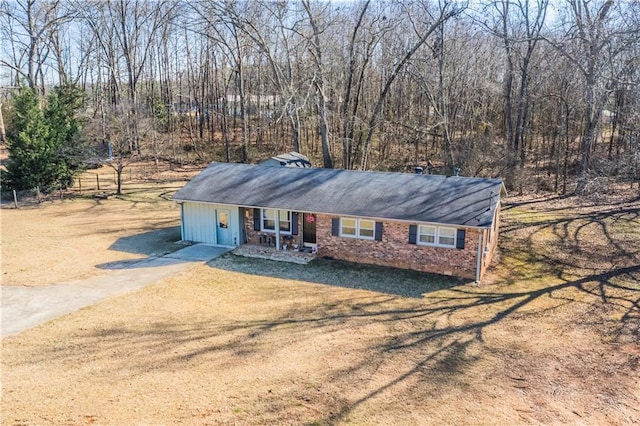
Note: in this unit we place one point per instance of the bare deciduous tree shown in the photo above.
(376, 84)
(424, 24)
(318, 82)
(595, 39)
(28, 25)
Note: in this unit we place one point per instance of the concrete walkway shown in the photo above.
(27, 307)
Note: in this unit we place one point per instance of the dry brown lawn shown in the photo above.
(62, 240)
(552, 336)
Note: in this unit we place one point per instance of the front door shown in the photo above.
(223, 232)
(309, 230)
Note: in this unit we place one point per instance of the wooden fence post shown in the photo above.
(15, 199)
(80, 185)
(98, 181)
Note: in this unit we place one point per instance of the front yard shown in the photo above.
(552, 336)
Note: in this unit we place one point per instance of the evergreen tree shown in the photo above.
(45, 150)
(71, 151)
(29, 164)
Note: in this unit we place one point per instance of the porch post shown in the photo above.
(277, 229)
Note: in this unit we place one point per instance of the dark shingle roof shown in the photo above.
(381, 195)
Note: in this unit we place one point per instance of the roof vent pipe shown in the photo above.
(418, 170)
(456, 171)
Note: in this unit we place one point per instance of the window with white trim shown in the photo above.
(429, 235)
(357, 228)
(447, 237)
(269, 220)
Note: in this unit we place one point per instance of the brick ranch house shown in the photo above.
(440, 224)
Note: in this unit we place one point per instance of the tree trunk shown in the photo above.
(245, 133)
(347, 119)
(3, 134)
(373, 121)
(119, 169)
(327, 162)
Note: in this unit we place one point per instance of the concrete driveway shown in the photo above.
(27, 307)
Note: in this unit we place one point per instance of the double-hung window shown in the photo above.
(427, 235)
(447, 237)
(269, 220)
(436, 236)
(357, 228)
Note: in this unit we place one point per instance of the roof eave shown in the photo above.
(329, 213)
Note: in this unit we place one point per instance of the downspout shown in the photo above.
(277, 229)
(182, 221)
(479, 260)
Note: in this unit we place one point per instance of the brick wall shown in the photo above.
(394, 250)
(253, 237)
(491, 240)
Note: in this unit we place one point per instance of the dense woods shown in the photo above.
(544, 95)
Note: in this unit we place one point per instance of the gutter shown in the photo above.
(452, 225)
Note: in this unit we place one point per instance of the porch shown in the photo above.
(270, 252)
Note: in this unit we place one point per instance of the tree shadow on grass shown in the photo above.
(449, 344)
(384, 280)
(437, 338)
(434, 336)
(587, 258)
